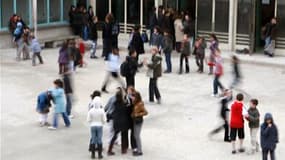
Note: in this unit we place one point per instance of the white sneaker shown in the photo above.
(71, 116)
(214, 95)
(51, 128)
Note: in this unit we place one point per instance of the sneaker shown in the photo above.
(71, 116)
(137, 154)
(234, 152)
(159, 101)
(47, 124)
(214, 95)
(241, 150)
(51, 128)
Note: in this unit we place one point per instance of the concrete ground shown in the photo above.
(176, 130)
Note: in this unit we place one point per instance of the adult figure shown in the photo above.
(107, 36)
(270, 37)
(189, 29)
(178, 25)
(137, 42)
(90, 13)
(93, 36)
(152, 21)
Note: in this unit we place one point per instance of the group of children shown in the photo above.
(235, 126)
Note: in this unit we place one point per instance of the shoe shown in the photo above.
(47, 124)
(137, 154)
(241, 150)
(110, 152)
(51, 128)
(159, 101)
(227, 140)
(234, 152)
(71, 116)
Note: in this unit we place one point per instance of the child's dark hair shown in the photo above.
(214, 36)
(95, 94)
(254, 101)
(239, 97)
(58, 83)
(131, 51)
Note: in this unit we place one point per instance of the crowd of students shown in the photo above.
(125, 110)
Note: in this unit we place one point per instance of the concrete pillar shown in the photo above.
(110, 6)
(93, 4)
(141, 13)
(232, 24)
(125, 16)
(35, 19)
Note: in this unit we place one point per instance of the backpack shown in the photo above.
(124, 69)
(144, 37)
(115, 29)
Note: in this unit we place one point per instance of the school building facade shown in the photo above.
(237, 23)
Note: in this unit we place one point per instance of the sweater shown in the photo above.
(59, 100)
(139, 110)
(253, 118)
(96, 115)
(237, 115)
(36, 47)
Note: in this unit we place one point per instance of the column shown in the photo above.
(35, 17)
(93, 4)
(141, 13)
(125, 17)
(110, 6)
(233, 24)
(213, 15)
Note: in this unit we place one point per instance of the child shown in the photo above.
(213, 46)
(185, 53)
(43, 105)
(96, 118)
(236, 72)
(81, 47)
(219, 71)
(36, 49)
(253, 123)
(167, 47)
(199, 52)
(269, 137)
(60, 106)
(93, 35)
(237, 122)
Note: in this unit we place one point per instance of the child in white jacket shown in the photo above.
(96, 118)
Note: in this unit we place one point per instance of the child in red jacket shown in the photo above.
(238, 112)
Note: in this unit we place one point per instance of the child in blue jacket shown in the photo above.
(43, 105)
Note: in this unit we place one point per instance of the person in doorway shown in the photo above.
(138, 113)
(214, 45)
(93, 36)
(96, 118)
(253, 123)
(269, 137)
(154, 72)
(167, 48)
(113, 70)
(270, 37)
(185, 53)
(60, 105)
(238, 112)
(227, 97)
(36, 49)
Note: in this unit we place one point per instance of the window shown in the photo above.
(6, 12)
(102, 8)
(281, 18)
(42, 11)
(222, 16)
(133, 11)
(147, 10)
(244, 16)
(23, 10)
(118, 10)
(66, 8)
(205, 15)
(54, 10)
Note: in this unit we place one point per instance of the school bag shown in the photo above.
(124, 68)
(115, 29)
(144, 37)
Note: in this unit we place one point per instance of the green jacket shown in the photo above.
(154, 68)
(253, 118)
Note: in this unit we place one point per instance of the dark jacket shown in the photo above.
(152, 20)
(271, 31)
(155, 70)
(93, 35)
(200, 50)
(185, 50)
(156, 39)
(167, 44)
(253, 119)
(268, 135)
(137, 43)
(132, 66)
(107, 31)
(224, 107)
(189, 28)
(121, 117)
(43, 102)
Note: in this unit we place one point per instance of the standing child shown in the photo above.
(96, 118)
(236, 71)
(237, 122)
(81, 47)
(253, 123)
(167, 47)
(213, 46)
(185, 53)
(199, 52)
(269, 137)
(60, 106)
(43, 105)
(36, 49)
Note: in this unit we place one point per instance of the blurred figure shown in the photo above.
(71, 52)
(68, 90)
(26, 39)
(213, 47)
(218, 72)
(227, 97)
(189, 29)
(236, 71)
(269, 137)
(107, 36)
(115, 32)
(63, 58)
(93, 36)
(113, 70)
(91, 14)
(199, 51)
(185, 53)
(96, 118)
(154, 72)
(36, 49)
(270, 37)
(152, 21)
(81, 46)
(178, 32)
(43, 105)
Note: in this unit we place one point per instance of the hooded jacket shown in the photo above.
(96, 115)
(268, 135)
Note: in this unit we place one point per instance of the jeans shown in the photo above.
(137, 134)
(200, 63)
(168, 62)
(96, 135)
(37, 54)
(68, 103)
(267, 41)
(153, 90)
(65, 119)
(217, 84)
(265, 154)
(182, 57)
(130, 80)
(93, 48)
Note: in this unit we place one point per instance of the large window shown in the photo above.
(133, 11)
(54, 10)
(102, 8)
(118, 10)
(281, 18)
(23, 10)
(205, 15)
(42, 11)
(222, 16)
(6, 12)
(147, 10)
(66, 7)
(244, 16)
